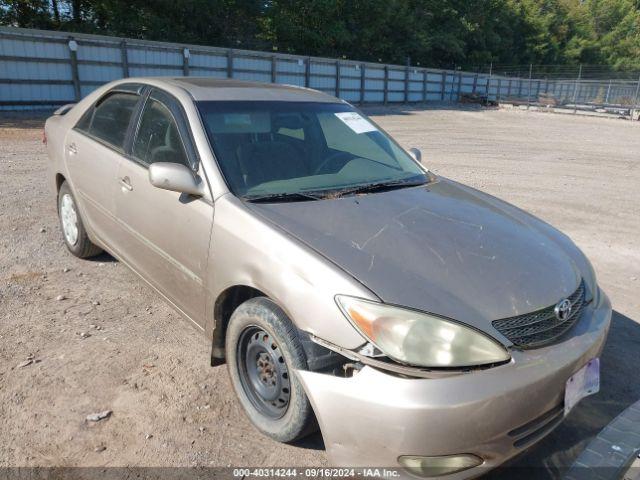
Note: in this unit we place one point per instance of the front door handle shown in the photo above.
(126, 184)
(72, 149)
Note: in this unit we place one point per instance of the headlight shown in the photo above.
(420, 339)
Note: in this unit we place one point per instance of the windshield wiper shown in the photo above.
(379, 187)
(319, 195)
(282, 197)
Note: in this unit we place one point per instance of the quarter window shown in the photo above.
(85, 121)
(111, 118)
(158, 138)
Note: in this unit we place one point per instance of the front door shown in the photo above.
(164, 235)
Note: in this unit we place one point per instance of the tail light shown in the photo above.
(44, 137)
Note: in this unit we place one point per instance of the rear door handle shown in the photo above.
(126, 183)
(72, 149)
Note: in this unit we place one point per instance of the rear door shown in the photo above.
(93, 151)
(164, 235)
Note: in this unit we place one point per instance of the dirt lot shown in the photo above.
(111, 343)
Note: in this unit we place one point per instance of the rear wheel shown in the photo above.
(73, 231)
(263, 351)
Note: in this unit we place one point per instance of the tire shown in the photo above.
(73, 232)
(263, 349)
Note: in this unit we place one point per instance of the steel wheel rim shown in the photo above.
(263, 372)
(69, 219)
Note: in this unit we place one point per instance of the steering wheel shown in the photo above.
(332, 158)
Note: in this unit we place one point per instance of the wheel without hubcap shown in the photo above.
(263, 353)
(263, 372)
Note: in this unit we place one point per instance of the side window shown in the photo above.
(158, 138)
(111, 118)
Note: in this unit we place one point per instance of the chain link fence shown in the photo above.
(581, 88)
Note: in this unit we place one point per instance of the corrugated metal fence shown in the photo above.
(40, 69)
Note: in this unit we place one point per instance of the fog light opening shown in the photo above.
(428, 467)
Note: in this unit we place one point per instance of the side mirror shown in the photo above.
(416, 154)
(175, 177)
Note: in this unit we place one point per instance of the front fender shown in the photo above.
(247, 250)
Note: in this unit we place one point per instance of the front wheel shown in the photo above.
(263, 351)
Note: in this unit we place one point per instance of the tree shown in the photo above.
(25, 13)
(438, 33)
(616, 24)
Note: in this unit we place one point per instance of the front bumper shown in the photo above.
(372, 418)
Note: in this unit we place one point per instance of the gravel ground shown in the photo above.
(79, 337)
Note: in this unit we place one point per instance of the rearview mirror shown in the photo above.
(175, 177)
(416, 154)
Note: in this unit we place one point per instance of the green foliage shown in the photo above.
(27, 13)
(616, 24)
(444, 33)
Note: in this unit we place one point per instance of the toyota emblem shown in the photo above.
(563, 310)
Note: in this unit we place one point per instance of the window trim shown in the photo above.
(136, 89)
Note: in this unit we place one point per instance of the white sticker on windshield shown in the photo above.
(355, 122)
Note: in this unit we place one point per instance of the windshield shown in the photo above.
(303, 150)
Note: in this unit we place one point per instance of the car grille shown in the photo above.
(542, 327)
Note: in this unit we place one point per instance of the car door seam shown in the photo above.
(146, 241)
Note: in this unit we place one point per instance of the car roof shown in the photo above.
(207, 88)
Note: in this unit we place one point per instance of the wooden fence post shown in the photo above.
(274, 66)
(424, 86)
(363, 84)
(73, 59)
(406, 84)
(124, 55)
(229, 63)
(307, 73)
(386, 84)
(185, 61)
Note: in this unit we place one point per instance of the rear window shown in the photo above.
(109, 119)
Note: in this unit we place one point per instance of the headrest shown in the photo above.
(292, 121)
(241, 122)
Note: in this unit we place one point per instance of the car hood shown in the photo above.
(443, 248)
